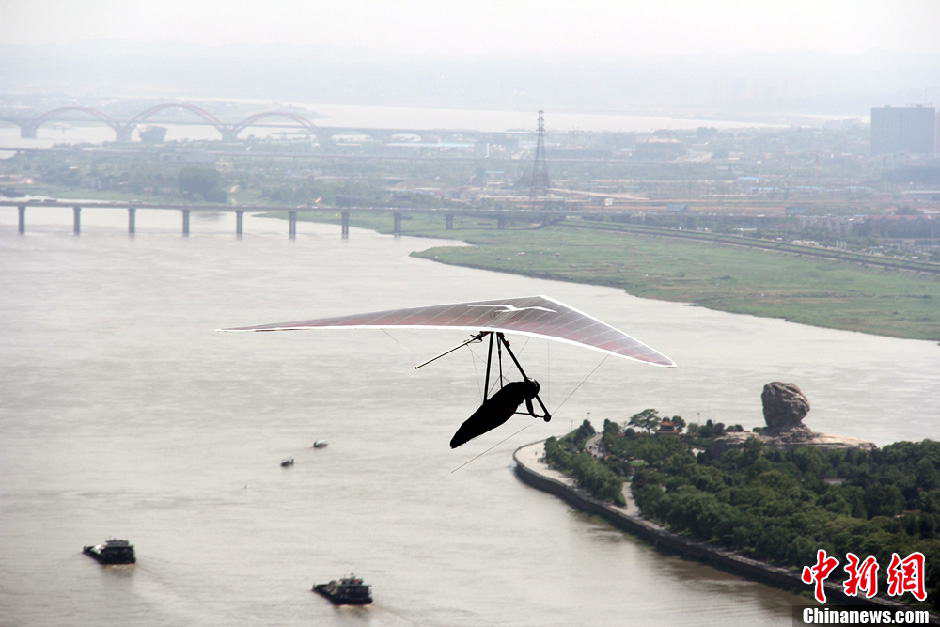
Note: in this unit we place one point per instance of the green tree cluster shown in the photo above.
(202, 182)
(568, 456)
(781, 505)
(648, 419)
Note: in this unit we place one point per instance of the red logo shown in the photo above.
(863, 577)
(906, 575)
(902, 575)
(818, 573)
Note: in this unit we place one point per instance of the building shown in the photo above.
(668, 427)
(658, 149)
(903, 129)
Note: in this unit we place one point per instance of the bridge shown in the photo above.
(500, 216)
(229, 131)
(544, 217)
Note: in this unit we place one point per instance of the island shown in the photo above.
(758, 503)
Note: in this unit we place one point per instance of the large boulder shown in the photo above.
(784, 406)
(784, 409)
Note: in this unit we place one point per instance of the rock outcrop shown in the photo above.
(785, 406)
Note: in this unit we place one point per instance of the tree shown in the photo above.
(202, 182)
(648, 419)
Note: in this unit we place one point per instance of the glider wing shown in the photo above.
(537, 316)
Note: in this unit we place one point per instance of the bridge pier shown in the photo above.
(125, 135)
(502, 221)
(131, 221)
(229, 134)
(344, 224)
(76, 220)
(239, 223)
(397, 222)
(292, 225)
(28, 131)
(21, 224)
(185, 214)
(448, 222)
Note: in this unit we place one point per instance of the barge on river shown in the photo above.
(347, 591)
(112, 552)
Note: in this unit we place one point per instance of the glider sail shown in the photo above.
(536, 316)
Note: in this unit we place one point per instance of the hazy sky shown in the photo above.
(615, 27)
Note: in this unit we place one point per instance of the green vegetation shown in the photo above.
(203, 183)
(765, 240)
(567, 455)
(171, 172)
(825, 293)
(778, 505)
(645, 260)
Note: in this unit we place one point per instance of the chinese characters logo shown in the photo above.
(902, 575)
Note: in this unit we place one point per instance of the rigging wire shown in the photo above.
(401, 346)
(496, 385)
(402, 349)
(393, 338)
(571, 393)
(524, 345)
(473, 459)
(476, 369)
(548, 368)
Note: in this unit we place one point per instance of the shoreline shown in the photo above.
(501, 253)
(531, 470)
(875, 293)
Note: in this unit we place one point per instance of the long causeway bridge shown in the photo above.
(500, 217)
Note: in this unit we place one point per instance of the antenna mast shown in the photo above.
(539, 181)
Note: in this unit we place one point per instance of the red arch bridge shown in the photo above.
(229, 131)
(124, 129)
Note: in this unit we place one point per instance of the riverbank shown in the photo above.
(533, 471)
(821, 292)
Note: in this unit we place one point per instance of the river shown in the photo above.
(122, 413)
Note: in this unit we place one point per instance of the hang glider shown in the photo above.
(535, 316)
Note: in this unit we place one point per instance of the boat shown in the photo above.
(320, 444)
(113, 551)
(347, 591)
(287, 462)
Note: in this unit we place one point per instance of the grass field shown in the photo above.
(826, 293)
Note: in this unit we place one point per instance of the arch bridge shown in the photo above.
(29, 127)
(124, 131)
(148, 114)
(303, 123)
